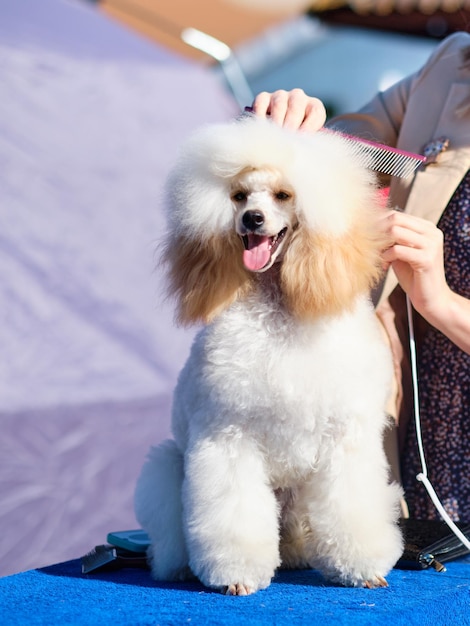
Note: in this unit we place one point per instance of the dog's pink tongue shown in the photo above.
(257, 254)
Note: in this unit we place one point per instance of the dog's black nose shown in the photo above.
(253, 220)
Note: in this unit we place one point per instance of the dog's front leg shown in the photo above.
(230, 515)
(354, 511)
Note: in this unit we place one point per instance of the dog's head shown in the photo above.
(247, 195)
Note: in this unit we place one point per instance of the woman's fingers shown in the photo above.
(416, 255)
(413, 240)
(292, 109)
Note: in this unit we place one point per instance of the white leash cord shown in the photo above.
(423, 475)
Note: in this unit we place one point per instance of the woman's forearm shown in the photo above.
(451, 316)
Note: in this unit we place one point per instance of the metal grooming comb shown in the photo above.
(110, 558)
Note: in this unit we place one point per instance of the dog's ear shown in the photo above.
(323, 274)
(205, 276)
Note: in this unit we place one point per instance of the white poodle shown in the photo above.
(278, 414)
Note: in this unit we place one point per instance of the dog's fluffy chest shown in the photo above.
(291, 387)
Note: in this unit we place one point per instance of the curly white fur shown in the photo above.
(278, 414)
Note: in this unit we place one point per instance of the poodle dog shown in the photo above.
(278, 415)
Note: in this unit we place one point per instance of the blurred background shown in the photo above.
(95, 98)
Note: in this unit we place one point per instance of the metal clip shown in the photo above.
(428, 560)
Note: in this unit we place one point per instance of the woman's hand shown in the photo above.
(417, 258)
(292, 109)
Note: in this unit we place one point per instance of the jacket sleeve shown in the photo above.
(381, 119)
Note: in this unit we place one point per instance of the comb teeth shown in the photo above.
(384, 159)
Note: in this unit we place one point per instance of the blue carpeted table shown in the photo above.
(60, 594)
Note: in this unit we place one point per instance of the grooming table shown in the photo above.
(61, 594)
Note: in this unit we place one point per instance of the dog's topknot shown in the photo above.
(319, 166)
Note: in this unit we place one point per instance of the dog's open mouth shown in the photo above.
(260, 250)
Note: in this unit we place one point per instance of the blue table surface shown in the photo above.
(61, 594)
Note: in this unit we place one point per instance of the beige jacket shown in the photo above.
(433, 103)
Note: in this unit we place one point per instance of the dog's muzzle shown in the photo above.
(260, 250)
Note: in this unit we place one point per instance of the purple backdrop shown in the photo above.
(91, 117)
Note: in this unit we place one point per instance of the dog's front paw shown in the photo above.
(238, 589)
(374, 582)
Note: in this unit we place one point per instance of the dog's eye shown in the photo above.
(282, 195)
(239, 196)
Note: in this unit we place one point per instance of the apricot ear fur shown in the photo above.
(323, 275)
(205, 276)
